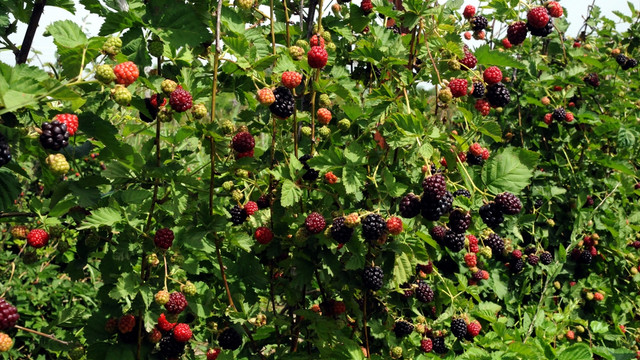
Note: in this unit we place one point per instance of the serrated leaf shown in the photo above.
(101, 217)
(576, 352)
(67, 34)
(402, 269)
(486, 56)
(509, 170)
(290, 193)
(10, 189)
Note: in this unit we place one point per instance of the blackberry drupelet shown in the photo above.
(54, 135)
(433, 209)
(434, 186)
(491, 215)
(454, 241)
(478, 90)
(409, 206)
(509, 204)
(5, 152)
(459, 221)
(339, 231)
(479, 23)
(230, 339)
(439, 346)
(559, 114)
(438, 233)
(373, 226)
(517, 266)
(462, 192)
(585, 257)
(424, 292)
(498, 95)
(542, 32)
(546, 258)
(402, 328)
(372, 277)
(284, 104)
(238, 215)
(495, 242)
(459, 328)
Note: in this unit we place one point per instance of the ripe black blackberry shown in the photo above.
(621, 59)
(310, 174)
(229, 339)
(8, 315)
(542, 32)
(495, 242)
(530, 250)
(630, 64)
(433, 209)
(479, 23)
(559, 114)
(517, 266)
(585, 257)
(517, 33)
(434, 186)
(533, 259)
(339, 231)
(170, 347)
(264, 202)
(546, 258)
(238, 215)
(509, 204)
(408, 290)
(592, 79)
(54, 135)
(474, 159)
(478, 90)
(177, 303)
(402, 328)
(439, 346)
(372, 277)
(462, 192)
(409, 206)
(454, 241)
(459, 221)
(5, 152)
(491, 215)
(438, 233)
(373, 226)
(498, 95)
(538, 203)
(424, 293)
(459, 328)
(284, 104)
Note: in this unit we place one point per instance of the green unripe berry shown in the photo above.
(306, 131)
(227, 185)
(344, 124)
(105, 74)
(237, 195)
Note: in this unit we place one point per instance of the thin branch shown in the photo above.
(48, 336)
(18, 214)
(38, 9)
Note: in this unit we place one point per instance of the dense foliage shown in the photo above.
(352, 184)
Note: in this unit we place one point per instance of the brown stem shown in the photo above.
(224, 275)
(48, 336)
(17, 214)
(38, 9)
(214, 91)
(286, 22)
(313, 110)
(364, 321)
(273, 34)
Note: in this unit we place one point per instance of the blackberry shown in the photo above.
(284, 104)
(454, 241)
(315, 223)
(310, 174)
(546, 258)
(517, 266)
(592, 79)
(478, 275)
(409, 206)
(479, 23)
(425, 268)
(533, 259)
(498, 95)
(478, 90)
(474, 159)
(372, 277)
(542, 32)
(373, 226)
(459, 328)
(339, 231)
(8, 315)
(439, 346)
(491, 215)
(54, 135)
(243, 142)
(5, 152)
(585, 257)
(402, 328)
(509, 204)
(230, 339)
(559, 114)
(459, 221)
(495, 242)
(264, 202)
(177, 303)
(433, 209)
(152, 108)
(408, 291)
(630, 64)
(517, 33)
(238, 215)
(424, 292)
(462, 192)
(170, 347)
(621, 59)
(538, 203)
(438, 233)
(530, 250)
(434, 186)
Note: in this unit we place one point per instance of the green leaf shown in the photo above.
(486, 56)
(101, 217)
(291, 193)
(67, 33)
(10, 189)
(509, 170)
(402, 269)
(576, 352)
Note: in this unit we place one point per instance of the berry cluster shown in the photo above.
(505, 203)
(54, 135)
(284, 104)
(8, 315)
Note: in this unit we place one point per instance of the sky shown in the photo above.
(91, 24)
